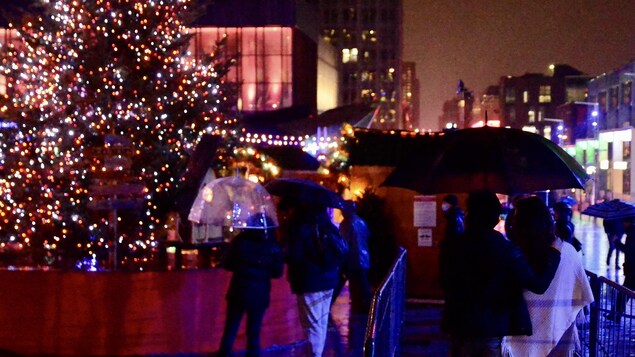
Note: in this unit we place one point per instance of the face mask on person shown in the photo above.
(445, 206)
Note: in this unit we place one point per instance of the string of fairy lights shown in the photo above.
(80, 73)
(85, 69)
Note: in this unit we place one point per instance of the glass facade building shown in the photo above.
(265, 63)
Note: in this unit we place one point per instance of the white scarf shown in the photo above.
(555, 311)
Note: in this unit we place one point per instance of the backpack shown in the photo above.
(333, 250)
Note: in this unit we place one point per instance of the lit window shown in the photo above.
(346, 55)
(525, 97)
(510, 95)
(545, 94)
(354, 54)
(531, 115)
(547, 132)
(512, 115)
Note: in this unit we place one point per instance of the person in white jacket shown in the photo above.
(553, 314)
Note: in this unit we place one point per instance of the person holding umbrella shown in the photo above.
(614, 229)
(553, 314)
(628, 248)
(314, 264)
(254, 258)
(482, 275)
(612, 212)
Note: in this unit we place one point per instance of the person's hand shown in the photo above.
(557, 244)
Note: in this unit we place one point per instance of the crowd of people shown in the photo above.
(513, 295)
(320, 258)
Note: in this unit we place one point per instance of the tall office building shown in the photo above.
(410, 96)
(368, 36)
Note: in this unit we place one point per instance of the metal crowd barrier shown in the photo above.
(608, 325)
(385, 320)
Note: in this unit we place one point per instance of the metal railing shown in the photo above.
(385, 320)
(608, 325)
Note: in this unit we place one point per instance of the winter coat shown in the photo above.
(355, 231)
(310, 269)
(254, 261)
(483, 276)
(454, 219)
(613, 227)
(628, 248)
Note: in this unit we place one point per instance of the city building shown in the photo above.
(457, 112)
(410, 90)
(281, 62)
(606, 152)
(529, 101)
(576, 120)
(487, 110)
(368, 36)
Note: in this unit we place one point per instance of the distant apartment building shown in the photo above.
(530, 101)
(607, 151)
(577, 121)
(410, 91)
(368, 36)
(613, 93)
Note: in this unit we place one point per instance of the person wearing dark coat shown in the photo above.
(564, 228)
(483, 276)
(454, 216)
(313, 270)
(355, 269)
(614, 229)
(254, 257)
(628, 248)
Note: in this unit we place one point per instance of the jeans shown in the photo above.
(235, 313)
(314, 309)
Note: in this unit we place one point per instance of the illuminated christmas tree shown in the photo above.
(87, 71)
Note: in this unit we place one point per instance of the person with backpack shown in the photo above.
(314, 254)
(355, 269)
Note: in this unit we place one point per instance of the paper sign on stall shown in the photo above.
(424, 237)
(425, 211)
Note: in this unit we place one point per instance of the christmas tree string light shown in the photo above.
(84, 70)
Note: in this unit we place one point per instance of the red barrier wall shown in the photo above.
(92, 314)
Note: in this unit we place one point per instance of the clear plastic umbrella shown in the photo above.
(234, 202)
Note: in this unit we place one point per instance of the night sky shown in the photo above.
(480, 41)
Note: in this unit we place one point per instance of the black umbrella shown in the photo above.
(501, 160)
(304, 191)
(614, 209)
